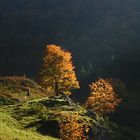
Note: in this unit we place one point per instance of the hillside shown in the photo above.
(38, 117)
(19, 89)
(10, 129)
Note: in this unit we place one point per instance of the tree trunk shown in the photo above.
(56, 88)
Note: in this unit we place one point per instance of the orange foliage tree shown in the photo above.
(70, 129)
(57, 72)
(103, 99)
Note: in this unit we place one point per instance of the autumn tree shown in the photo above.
(70, 129)
(103, 99)
(57, 73)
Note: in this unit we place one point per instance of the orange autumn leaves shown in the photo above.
(58, 73)
(58, 69)
(103, 99)
(58, 76)
(70, 129)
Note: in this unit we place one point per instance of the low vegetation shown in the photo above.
(11, 129)
(14, 89)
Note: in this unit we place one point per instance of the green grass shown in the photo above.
(10, 129)
(21, 121)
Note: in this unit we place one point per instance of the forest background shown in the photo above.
(103, 37)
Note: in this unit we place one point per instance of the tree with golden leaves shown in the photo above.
(70, 129)
(103, 99)
(57, 73)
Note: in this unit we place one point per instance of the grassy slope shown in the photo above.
(17, 112)
(15, 89)
(11, 129)
(15, 118)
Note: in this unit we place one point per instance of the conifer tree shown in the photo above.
(57, 73)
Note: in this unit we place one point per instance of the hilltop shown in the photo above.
(19, 89)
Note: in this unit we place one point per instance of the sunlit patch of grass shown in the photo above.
(10, 129)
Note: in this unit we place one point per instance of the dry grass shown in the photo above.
(17, 88)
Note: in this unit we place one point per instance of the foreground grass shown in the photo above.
(10, 129)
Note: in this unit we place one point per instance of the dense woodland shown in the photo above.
(103, 37)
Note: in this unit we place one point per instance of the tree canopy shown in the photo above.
(103, 99)
(57, 71)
